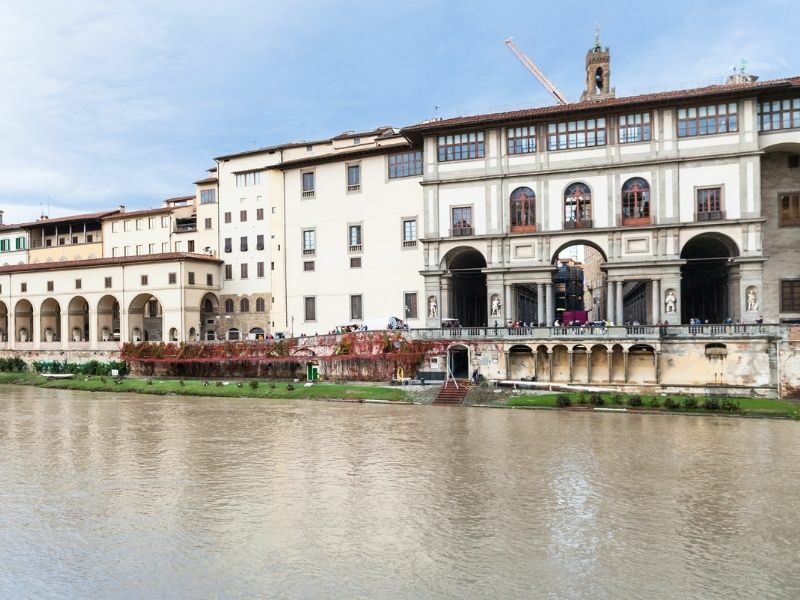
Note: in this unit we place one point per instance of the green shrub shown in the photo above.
(654, 402)
(635, 400)
(596, 400)
(181, 382)
(289, 387)
(689, 403)
(730, 404)
(149, 382)
(254, 384)
(239, 384)
(272, 385)
(671, 403)
(711, 403)
(582, 398)
(219, 384)
(617, 399)
(12, 364)
(562, 401)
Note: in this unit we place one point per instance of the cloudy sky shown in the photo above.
(127, 102)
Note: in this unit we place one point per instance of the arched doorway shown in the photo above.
(458, 361)
(23, 320)
(108, 324)
(579, 282)
(522, 363)
(468, 288)
(3, 322)
(145, 319)
(78, 311)
(209, 316)
(705, 278)
(50, 320)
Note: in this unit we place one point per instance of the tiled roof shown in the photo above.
(347, 154)
(138, 213)
(104, 262)
(207, 180)
(353, 134)
(672, 97)
(59, 220)
(298, 144)
(179, 199)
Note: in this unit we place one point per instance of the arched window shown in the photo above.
(577, 206)
(228, 305)
(208, 306)
(523, 210)
(260, 305)
(636, 202)
(233, 334)
(244, 305)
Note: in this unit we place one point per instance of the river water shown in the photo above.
(147, 496)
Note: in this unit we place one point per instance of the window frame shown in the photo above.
(692, 125)
(638, 197)
(562, 136)
(465, 227)
(450, 149)
(312, 249)
(521, 140)
(406, 310)
(644, 128)
(514, 212)
(581, 202)
(794, 282)
(313, 311)
(710, 215)
(355, 245)
(791, 220)
(308, 192)
(790, 113)
(353, 185)
(400, 165)
(357, 302)
(409, 243)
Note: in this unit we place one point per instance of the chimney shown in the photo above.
(122, 208)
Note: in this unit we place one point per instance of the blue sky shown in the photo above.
(127, 102)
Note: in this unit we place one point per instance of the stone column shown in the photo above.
(508, 309)
(656, 283)
(508, 364)
(656, 356)
(66, 334)
(550, 364)
(620, 319)
(569, 355)
(93, 333)
(610, 364)
(610, 303)
(551, 305)
(588, 365)
(12, 328)
(445, 310)
(37, 330)
(625, 365)
(540, 303)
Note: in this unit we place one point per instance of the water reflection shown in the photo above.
(161, 496)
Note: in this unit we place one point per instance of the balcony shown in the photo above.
(409, 243)
(354, 187)
(711, 215)
(461, 231)
(309, 251)
(585, 224)
(354, 247)
(308, 193)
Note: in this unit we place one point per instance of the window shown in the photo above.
(461, 146)
(709, 204)
(243, 243)
(259, 214)
(228, 305)
(151, 248)
(78, 284)
(354, 238)
(405, 164)
(151, 223)
(191, 277)
(583, 133)
(23, 287)
(248, 179)
(634, 128)
(636, 202)
(48, 242)
(243, 270)
(260, 241)
(89, 238)
(107, 283)
(208, 196)
(139, 249)
(355, 262)
(173, 278)
(523, 210)
(227, 217)
(209, 279)
(522, 140)
(310, 308)
(164, 247)
(139, 224)
(410, 305)
(208, 223)
(228, 272)
(779, 114)
(409, 233)
(20, 243)
(144, 280)
(353, 178)
(244, 305)
(259, 269)
(462, 221)
(178, 247)
(790, 209)
(790, 295)
(165, 221)
(707, 120)
(50, 286)
(228, 245)
(260, 305)
(74, 239)
(5, 245)
(272, 266)
(308, 265)
(309, 242)
(355, 307)
(308, 184)
(577, 206)
(61, 241)
(115, 226)
(127, 225)
(243, 216)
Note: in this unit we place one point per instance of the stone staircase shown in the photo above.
(450, 395)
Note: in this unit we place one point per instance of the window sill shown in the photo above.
(628, 221)
(523, 229)
(578, 225)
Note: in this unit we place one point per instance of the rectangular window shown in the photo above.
(248, 179)
(127, 250)
(308, 184)
(260, 241)
(165, 221)
(190, 246)
(50, 286)
(461, 146)
(151, 248)
(308, 265)
(107, 282)
(207, 223)
(243, 216)
(410, 305)
(89, 238)
(353, 178)
(4, 245)
(779, 114)
(191, 277)
(709, 204)
(259, 269)
(309, 242)
(173, 278)
(310, 308)
(151, 223)
(209, 279)
(354, 238)
(228, 272)
(61, 241)
(405, 164)
(208, 196)
(139, 224)
(20, 243)
(228, 245)
(115, 226)
(178, 247)
(23, 287)
(164, 247)
(790, 209)
(583, 133)
(410, 233)
(355, 262)
(521, 140)
(243, 270)
(355, 307)
(74, 239)
(227, 217)
(78, 284)
(243, 244)
(634, 128)
(144, 280)
(790, 295)
(127, 225)
(259, 214)
(139, 249)
(707, 120)
(462, 221)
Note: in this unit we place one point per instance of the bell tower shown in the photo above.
(598, 72)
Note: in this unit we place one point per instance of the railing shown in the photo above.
(354, 247)
(460, 231)
(409, 243)
(308, 194)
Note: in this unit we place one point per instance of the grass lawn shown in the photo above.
(195, 387)
(747, 406)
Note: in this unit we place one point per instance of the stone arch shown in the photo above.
(580, 363)
(617, 363)
(641, 363)
(23, 321)
(543, 363)
(145, 319)
(458, 360)
(50, 320)
(78, 320)
(522, 362)
(3, 322)
(209, 316)
(578, 242)
(468, 295)
(108, 319)
(302, 352)
(599, 358)
(560, 362)
(707, 291)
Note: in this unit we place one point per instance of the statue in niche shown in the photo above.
(433, 308)
(752, 300)
(495, 308)
(670, 302)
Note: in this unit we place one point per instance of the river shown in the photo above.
(148, 496)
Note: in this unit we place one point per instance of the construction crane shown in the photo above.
(536, 72)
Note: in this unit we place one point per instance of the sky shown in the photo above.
(128, 102)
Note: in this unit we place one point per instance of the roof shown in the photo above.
(207, 180)
(670, 97)
(69, 219)
(348, 154)
(104, 262)
(179, 199)
(354, 134)
(138, 213)
(266, 149)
